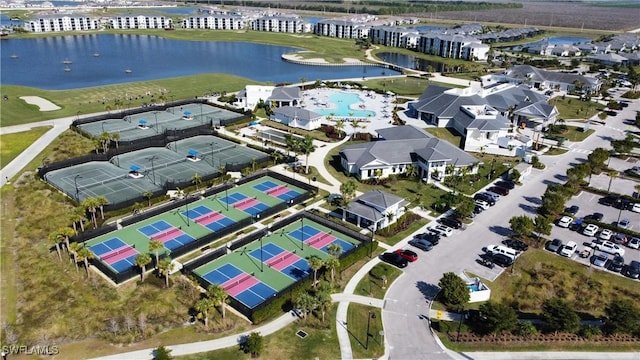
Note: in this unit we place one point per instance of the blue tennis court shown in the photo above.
(265, 185)
(346, 246)
(222, 274)
(156, 227)
(220, 224)
(197, 212)
(291, 194)
(107, 246)
(256, 294)
(304, 233)
(233, 198)
(269, 250)
(178, 241)
(256, 209)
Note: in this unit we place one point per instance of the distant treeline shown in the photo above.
(373, 7)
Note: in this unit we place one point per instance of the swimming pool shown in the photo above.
(341, 106)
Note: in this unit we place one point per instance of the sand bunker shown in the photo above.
(43, 104)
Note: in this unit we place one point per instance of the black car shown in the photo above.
(501, 260)
(610, 200)
(573, 209)
(516, 244)
(477, 210)
(596, 216)
(499, 190)
(434, 239)
(616, 264)
(394, 259)
(506, 184)
(632, 270)
(485, 197)
(451, 222)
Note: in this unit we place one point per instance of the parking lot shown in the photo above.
(588, 204)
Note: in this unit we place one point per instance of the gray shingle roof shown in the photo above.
(285, 94)
(300, 113)
(380, 198)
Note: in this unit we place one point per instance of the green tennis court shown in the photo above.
(187, 224)
(258, 271)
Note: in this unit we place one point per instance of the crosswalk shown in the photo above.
(581, 151)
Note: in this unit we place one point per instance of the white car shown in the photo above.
(565, 221)
(606, 234)
(636, 207)
(483, 204)
(610, 248)
(569, 249)
(441, 230)
(590, 230)
(634, 243)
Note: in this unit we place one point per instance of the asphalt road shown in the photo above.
(408, 298)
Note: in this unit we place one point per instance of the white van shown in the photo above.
(501, 249)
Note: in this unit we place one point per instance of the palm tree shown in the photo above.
(142, 261)
(78, 216)
(104, 140)
(293, 143)
(165, 266)
(253, 164)
(612, 175)
(411, 170)
(136, 207)
(66, 232)
(377, 173)
(196, 179)
(276, 156)
(91, 205)
(154, 247)
(355, 124)
(334, 250)
(115, 137)
(315, 263)
(54, 239)
(219, 297)
(102, 201)
(340, 127)
(323, 299)
(149, 196)
(74, 249)
(307, 147)
(85, 254)
(332, 263)
(203, 307)
(306, 303)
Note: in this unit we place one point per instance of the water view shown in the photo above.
(555, 40)
(78, 61)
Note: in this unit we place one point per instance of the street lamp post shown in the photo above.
(211, 144)
(370, 315)
(155, 114)
(75, 182)
(153, 171)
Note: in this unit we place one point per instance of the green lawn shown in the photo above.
(575, 109)
(357, 318)
(577, 134)
(448, 134)
(11, 145)
(374, 287)
(472, 183)
(555, 151)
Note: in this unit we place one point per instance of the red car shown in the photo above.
(407, 254)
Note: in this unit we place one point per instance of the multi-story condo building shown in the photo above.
(452, 46)
(215, 22)
(342, 29)
(54, 23)
(141, 22)
(390, 35)
(286, 24)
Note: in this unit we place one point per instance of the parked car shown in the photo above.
(633, 270)
(492, 195)
(434, 239)
(394, 259)
(483, 204)
(451, 222)
(554, 245)
(565, 221)
(596, 216)
(499, 190)
(634, 243)
(610, 200)
(590, 230)
(516, 244)
(624, 223)
(501, 260)
(421, 244)
(407, 254)
(573, 209)
(441, 230)
(334, 199)
(569, 249)
(484, 197)
(616, 264)
(619, 238)
(610, 248)
(477, 210)
(635, 207)
(506, 184)
(599, 259)
(606, 234)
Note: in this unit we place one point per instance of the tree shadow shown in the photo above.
(533, 200)
(605, 138)
(428, 290)
(561, 177)
(500, 230)
(549, 182)
(528, 208)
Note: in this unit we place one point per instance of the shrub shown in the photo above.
(589, 331)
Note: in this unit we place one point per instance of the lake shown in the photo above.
(78, 61)
(554, 40)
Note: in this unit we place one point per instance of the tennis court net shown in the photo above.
(243, 202)
(117, 252)
(275, 189)
(238, 282)
(223, 149)
(282, 258)
(101, 182)
(165, 233)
